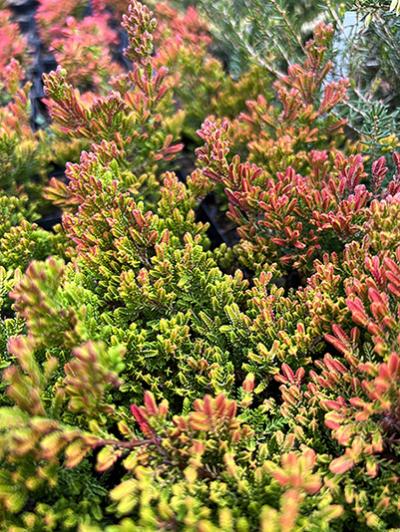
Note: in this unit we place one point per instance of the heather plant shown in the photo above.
(51, 16)
(84, 45)
(21, 241)
(200, 84)
(272, 34)
(84, 49)
(290, 199)
(151, 384)
(82, 41)
(26, 154)
(70, 310)
(18, 144)
(354, 392)
(23, 152)
(14, 45)
(304, 120)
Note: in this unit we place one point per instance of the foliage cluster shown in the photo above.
(152, 379)
(273, 34)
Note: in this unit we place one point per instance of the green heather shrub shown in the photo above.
(21, 241)
(153, 380)
(22, 151)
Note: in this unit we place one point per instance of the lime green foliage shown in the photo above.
(21, 241)
(150, 382)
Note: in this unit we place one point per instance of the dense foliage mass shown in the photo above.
(154, 378)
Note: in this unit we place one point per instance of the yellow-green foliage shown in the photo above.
(152, 381)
